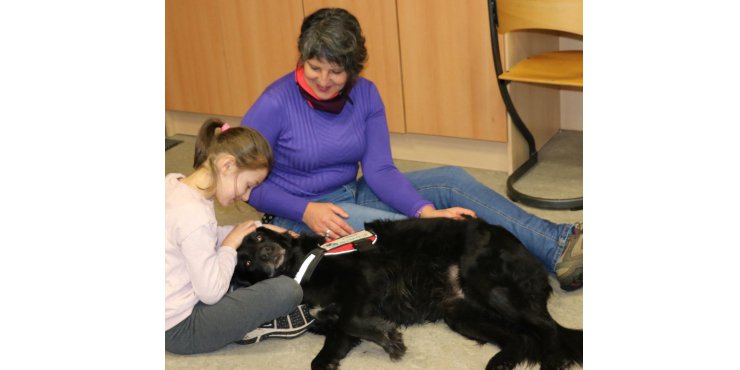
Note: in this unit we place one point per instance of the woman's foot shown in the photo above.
(569, 268)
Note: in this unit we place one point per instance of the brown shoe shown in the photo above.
(569, 268)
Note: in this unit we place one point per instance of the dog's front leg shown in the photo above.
(336, 346)
(382, 332)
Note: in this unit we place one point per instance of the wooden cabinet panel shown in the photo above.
(196, 78)
(431, 59)
(221, 55)
(260, 39)
(449, 81)
(380, 27)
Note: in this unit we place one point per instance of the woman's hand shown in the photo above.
(327, 220)
(453, 212)
(235, 237)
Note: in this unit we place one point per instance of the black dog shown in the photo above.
(477, 277)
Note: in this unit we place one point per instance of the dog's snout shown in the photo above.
(266, 253)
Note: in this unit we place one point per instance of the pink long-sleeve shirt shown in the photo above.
(197, 267)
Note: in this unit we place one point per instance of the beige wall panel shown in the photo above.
(571, 100)
(448, 76)
(538, 105)
(571, 109)
(188, 123)
(487, 155)
(380, 27)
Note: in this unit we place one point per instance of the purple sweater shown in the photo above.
(318, 152)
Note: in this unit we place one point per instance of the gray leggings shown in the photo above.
(210, 327)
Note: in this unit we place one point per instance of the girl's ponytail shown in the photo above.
(205, 138)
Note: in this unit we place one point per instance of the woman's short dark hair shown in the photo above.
(334, 35)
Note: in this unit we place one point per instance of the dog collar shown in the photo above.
(359, 241)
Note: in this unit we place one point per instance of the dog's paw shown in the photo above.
(319, 364)
(395, 346)
(500, 362)
(501, 366)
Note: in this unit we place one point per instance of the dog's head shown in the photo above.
(261, 256)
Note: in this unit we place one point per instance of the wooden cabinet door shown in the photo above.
(261, 45)
(221, 55)
(380, 27)
(449, 81)
(196, 79)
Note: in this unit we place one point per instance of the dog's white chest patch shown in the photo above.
(453, 274)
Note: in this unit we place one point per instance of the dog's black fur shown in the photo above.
(476, 277)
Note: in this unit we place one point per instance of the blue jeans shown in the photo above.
(450, 187)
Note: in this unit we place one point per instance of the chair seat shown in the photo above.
(554, 68)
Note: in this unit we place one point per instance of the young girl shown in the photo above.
(200, 314)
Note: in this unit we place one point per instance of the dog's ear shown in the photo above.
(286, 236)
(274, 234)
(245, 239)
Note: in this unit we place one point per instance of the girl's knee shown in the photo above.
(290, 290)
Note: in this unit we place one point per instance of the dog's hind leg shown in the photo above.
(377, 330)
(474, 322)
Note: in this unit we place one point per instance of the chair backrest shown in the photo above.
(559, 15)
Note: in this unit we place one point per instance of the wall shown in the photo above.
(571, 100)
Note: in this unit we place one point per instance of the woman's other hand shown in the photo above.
(327, 220)
(453, 212)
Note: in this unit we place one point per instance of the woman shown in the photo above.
(323, 120)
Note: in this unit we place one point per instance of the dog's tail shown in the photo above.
(572, 343)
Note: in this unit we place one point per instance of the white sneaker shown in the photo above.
(286, 327)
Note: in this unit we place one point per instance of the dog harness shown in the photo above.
(359, 241)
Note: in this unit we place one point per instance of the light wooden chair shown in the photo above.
(563, 68)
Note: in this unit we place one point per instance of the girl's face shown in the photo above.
(236, 185)
(324, 78)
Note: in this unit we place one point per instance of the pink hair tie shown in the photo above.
(225, 127)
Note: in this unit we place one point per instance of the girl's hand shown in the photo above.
(234, 238)
(453, 212)
(323, 217)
